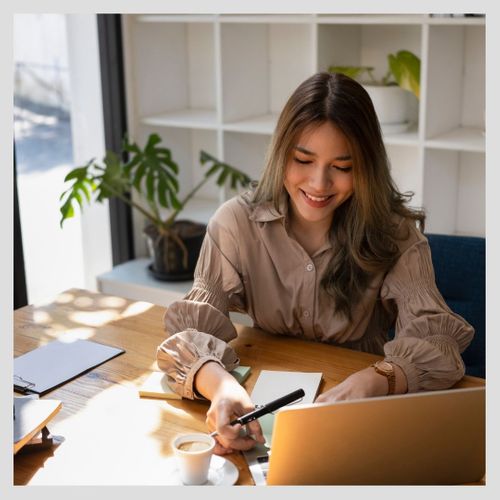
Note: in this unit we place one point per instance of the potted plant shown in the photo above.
(389, 94)
(151, 173)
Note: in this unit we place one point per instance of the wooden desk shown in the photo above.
(113, 437)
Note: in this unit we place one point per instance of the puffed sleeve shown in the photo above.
(429, 336)
(198, 326)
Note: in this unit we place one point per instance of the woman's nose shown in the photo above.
(320, 179)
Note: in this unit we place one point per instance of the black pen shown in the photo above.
(265, 409)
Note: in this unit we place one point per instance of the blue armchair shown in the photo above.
(460, 268)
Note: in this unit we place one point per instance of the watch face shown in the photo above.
(385, 366)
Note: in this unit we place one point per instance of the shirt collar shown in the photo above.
(266, 211)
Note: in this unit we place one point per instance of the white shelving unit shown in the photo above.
(218, 82)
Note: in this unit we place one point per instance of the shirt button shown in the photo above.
(307, 314)
(309, 267)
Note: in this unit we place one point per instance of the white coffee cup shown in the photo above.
(193, 453)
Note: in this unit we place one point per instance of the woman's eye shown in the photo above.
(343, 169)
(302, 162)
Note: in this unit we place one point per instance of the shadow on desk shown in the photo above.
(26, 465)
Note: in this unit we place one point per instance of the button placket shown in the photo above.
(308, 298)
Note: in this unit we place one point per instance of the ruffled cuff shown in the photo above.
(184, 353)
(432, 363)
(409, 369)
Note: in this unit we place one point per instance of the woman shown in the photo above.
(325, 249)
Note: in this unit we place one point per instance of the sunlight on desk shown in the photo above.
(41, 317)
(135, 309)
(114, 440)
(73, 334)
(94, 318)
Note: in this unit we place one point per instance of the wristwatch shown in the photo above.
(386, 369)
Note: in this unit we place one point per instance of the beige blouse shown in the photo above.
(249, 263)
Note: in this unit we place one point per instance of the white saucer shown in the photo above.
(222, 472)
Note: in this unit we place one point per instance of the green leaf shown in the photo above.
(171, 164)
(405, 66)
(164, 152)
(77, 173)
(351, 71)
(66, 211)
(204, 157)
(222, 177)
(153, 140)
(213, 169)
(136, 160)
(162, 193)
(150, 185)
(139, 174)
(175, 202)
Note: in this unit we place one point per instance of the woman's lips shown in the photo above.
(316, 201)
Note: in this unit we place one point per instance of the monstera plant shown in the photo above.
(152, 174)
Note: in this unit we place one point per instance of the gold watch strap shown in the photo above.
(389, 373)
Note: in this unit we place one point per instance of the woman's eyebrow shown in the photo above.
(307, 152)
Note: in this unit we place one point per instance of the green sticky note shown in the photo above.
(241, 373)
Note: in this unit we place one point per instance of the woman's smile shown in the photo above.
(317, 201)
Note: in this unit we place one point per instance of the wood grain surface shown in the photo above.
(113, 437)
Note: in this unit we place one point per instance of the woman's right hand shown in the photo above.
(230, 402)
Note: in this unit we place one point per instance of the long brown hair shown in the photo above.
(364, 229)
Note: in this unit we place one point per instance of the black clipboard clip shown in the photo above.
(23, 386)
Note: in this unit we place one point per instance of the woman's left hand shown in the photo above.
(363, 384)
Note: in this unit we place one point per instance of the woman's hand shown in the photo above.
(363, 384)
(229, 400)
(226, 406)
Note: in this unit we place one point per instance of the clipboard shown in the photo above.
(57, 362)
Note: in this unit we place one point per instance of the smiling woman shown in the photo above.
(323, 248)
(318, 179)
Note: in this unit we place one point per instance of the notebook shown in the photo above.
(30, 416)
(271, 385)
(424, 438)
(53, 364)
(157, 385)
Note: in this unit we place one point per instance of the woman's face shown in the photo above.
(318, 175)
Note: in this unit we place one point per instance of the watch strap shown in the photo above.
(381, 368)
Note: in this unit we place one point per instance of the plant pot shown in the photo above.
(172, 262)
(391, 105)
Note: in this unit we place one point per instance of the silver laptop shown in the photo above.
(428, 438)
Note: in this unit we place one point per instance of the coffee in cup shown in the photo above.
(193, 453)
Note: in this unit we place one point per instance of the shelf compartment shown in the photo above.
(454, 192)
(406, 171)
(456, 93)
(185, 118)
(257, 73)
(267, 18)
(408, 138)
(459, 139)
(172, 67)
(462, 21)
(177, 18)
(368, 45)
(371, 19)
(246, 152)
(263, 124)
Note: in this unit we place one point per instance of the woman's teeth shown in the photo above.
(316, 198)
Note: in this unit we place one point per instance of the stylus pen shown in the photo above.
(265, 409)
